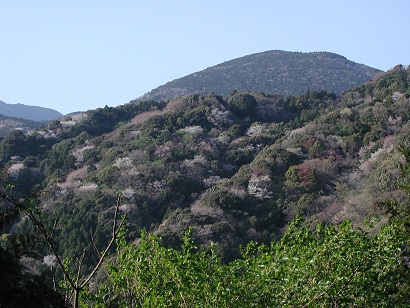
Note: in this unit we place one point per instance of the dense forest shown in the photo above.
(246, 199)
(274, 71)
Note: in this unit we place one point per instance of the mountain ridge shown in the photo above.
(34, 113)
(271, 72)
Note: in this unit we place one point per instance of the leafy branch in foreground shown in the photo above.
(77, 285)
(333, 266)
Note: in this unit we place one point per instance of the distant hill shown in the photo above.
(271, 72)
(33, 113)
(8, 124)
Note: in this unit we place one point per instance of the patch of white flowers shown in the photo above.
(50, 260)
(123, 163)
(259, 186)
(212, 180)
(47, 134)
(238, 191)
(163, 151)
(193, 130)
(68, 123)
(65, 187)
(89, 187)
(128, 193)
(197, 160)
(79, 153)
(255, 130)
(15, 169)
(219, 118)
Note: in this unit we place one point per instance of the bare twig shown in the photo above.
(43, 231)
(80, 264)
(94, 246)
(76, 285)
(115, 232)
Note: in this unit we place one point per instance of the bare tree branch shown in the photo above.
(42, 231)
(115, 232)
(76, 286)
(94, 246)
(80, 264)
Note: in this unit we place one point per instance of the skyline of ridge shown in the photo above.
(79, 56)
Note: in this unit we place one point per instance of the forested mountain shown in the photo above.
(271, 72)
(33, 113)
(235, 168)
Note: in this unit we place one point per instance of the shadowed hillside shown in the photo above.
(33, 113)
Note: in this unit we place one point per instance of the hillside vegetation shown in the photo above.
(275, 71)
(235, 168)
(8, 124)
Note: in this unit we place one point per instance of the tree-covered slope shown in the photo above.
(235, 168)
(278, 72)
(238, 168)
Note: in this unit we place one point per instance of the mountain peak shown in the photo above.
(273, 72)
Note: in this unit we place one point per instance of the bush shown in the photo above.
(243, 104)
(333, 266)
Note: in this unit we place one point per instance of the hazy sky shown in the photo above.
(79, 55)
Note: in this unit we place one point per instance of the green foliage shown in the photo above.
(104, 120)
(399, 210)
(59, 158)
(174, 277)
(243, 104)
(182, 184)
(236, 130)
(241, 153)
(330, 267)
(219, 197)
(15, 143)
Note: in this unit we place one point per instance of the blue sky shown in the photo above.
(80, 55)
